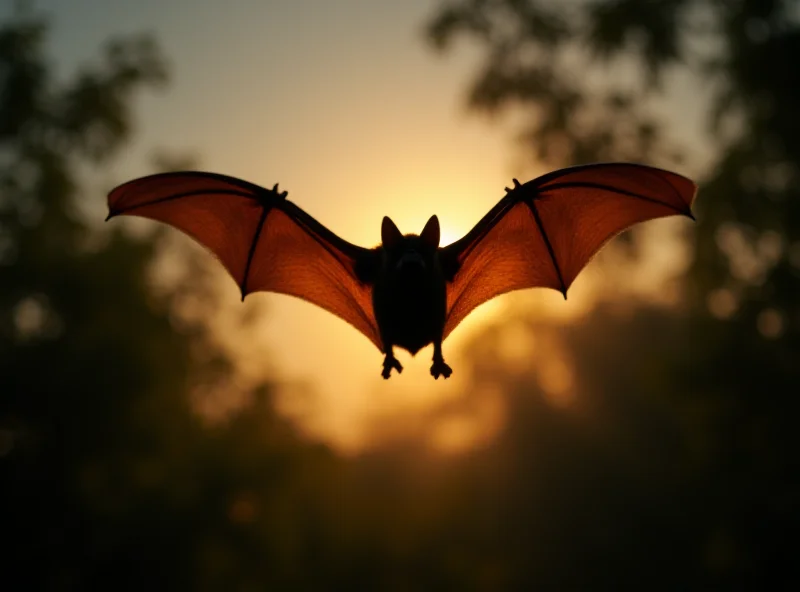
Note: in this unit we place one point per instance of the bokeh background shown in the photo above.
(156, 433)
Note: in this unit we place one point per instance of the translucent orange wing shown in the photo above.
(266, 242)
(544, 232)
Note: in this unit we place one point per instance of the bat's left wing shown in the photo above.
(266, 242)
(545, 231)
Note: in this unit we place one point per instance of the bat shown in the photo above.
(409, 292)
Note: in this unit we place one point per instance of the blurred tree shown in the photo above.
(108, 480)
(542, 59)
(597, 81)
(674, 467)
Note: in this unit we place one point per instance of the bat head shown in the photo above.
(410, 252)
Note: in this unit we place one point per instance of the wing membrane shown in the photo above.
(265, 242)
(544, 232)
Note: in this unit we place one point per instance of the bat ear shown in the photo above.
(431, 234)
(390, 233)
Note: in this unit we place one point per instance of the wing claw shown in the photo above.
(517, 185)
(281, 194)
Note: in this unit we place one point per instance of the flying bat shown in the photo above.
(408, 291)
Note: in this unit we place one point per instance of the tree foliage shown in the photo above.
(721, 373)
(108, 479)
(674, 466)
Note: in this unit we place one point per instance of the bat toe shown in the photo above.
(389, 363)
(439, 368)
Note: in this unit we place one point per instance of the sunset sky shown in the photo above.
(345, 106)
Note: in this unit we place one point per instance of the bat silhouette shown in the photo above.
(409, 292)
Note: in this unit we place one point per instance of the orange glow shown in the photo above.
(356, 122)
(459, 433)
(557, 380)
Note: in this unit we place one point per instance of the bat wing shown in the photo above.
(544, 232)
(266, 242)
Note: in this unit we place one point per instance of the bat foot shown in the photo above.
(439, 368)
(390, 362)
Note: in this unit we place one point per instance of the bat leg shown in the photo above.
(439, 367)
(390, 362)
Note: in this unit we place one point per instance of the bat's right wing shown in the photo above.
(265, 242)
(544, 232)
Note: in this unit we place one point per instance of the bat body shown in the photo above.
(409, 292)
(409, 296)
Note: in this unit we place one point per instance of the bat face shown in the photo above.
(409, 292)
(410, 255)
